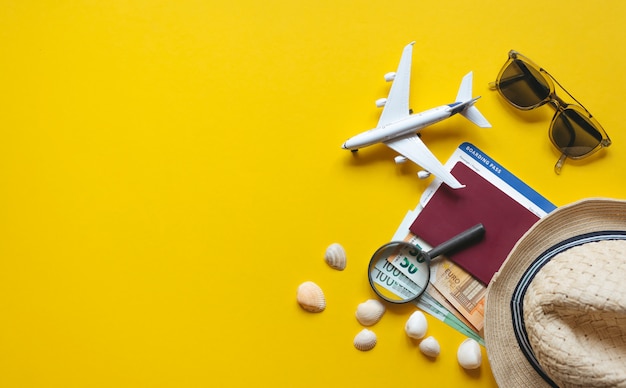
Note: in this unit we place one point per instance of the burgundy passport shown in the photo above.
(449, 212)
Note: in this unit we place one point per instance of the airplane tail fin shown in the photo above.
(464, 96)
(465, 90)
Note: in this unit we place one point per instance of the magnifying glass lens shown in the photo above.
(399, 272)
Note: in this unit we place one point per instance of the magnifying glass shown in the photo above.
(399, 271)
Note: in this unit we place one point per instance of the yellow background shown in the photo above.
(171, 171)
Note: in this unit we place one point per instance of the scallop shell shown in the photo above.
(430, 347)
(335, 256)
(369, 312)
(416, 325)
(365, 340)
(469, 354)
(311, 297)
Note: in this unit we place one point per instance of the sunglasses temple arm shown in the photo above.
(559, 164)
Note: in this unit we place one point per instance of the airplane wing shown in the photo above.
(415, 150)
(397, 105)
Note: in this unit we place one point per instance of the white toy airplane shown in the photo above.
(398, 127)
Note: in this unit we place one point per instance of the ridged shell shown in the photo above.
(311, 297)
(430, 347)
(469, 354)
(335, 256)
(369, 312)
(365, 340)
(416, 325)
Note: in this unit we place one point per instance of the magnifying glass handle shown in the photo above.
(468, 236)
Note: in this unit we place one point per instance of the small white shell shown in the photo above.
(335, 256)
(311, 297)
(469, 354)
(369, 312)
(365, 340)
(416, 325)
(430, 347)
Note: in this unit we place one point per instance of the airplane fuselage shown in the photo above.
(409, 125)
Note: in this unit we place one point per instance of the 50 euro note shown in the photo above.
(396, 275)
(387, 276)
(459, 289)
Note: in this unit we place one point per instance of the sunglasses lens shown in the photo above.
(523, 85)
(573, 133)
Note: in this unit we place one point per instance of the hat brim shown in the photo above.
(508, 363)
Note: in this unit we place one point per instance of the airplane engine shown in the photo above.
(423, 174)
(400, 159)
(381, 102)
(390, 76)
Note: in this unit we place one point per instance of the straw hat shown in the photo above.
(556, 310)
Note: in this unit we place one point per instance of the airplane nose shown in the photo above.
(344, 146)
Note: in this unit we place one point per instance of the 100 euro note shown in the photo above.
(455, 289)
(454, 285)
(388, 276)
(431, 301)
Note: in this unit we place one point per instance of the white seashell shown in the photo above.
(365, 340)
(369, 312)
(336, 256)
(469, 354)
(430, 347)
(311, 297)
(416, 325)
